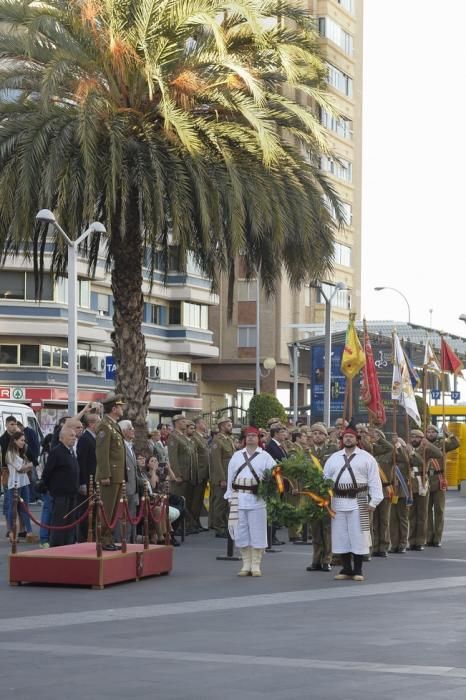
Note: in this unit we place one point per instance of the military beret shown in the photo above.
(320, 427)
(179, 416)
(417, 433)
(113, 398)
(224, 419)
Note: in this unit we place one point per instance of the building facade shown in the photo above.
(231, 380)
(34, 338)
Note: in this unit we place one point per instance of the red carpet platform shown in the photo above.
(78, 565)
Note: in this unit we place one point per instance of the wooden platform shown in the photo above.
(78, 565)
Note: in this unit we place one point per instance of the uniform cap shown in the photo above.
(224, 419)
(320, 427)
(189, 423)
(179, 416)
(417, 433)
(113, 398)
(432, 427)
(272, 421)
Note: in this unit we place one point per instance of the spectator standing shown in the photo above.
(18, 470)
(133, 475)
(46, 513)
(61, 476)
(85, 452)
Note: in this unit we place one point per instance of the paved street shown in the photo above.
(203, 633)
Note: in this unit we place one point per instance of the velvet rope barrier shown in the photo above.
(163, 509)
(111, 525)
(139, 516)
(23, 505)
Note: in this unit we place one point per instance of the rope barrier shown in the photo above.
(23, 505)
(163, 510)
(139, 516)
(111, 525)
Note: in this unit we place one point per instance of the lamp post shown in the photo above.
(328, 347)
(48, 217)
(269, 362)
(392, 289)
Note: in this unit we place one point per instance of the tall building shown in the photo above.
(34, 338)
(230, 380)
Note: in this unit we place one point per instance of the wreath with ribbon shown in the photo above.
(301, 476)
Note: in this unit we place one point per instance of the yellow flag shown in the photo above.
(353, 358)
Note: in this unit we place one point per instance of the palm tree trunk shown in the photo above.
(128, 339)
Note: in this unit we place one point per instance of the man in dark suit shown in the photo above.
(275, 448)
(85, 452)
(61, 476)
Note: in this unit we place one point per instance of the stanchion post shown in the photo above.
(14, 541)
(98, 522)
(166, 505)
(230, 550)
(124, 501)
(270, 549)
(90, 517)
(146, 517)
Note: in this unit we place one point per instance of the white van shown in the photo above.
(21, 412)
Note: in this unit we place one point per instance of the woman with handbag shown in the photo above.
(18, 469)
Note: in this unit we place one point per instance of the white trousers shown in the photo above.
(347, 535)
(252, 528)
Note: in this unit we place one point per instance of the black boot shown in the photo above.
(357, 572)
(347, 571)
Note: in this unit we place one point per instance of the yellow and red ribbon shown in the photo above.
(320, 501)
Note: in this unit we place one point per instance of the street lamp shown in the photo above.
(392, 289)
(48, 217)
(328, 346)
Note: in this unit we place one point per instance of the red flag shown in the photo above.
(449, 362)
(371, 395)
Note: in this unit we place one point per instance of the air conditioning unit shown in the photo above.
(97, 364)
(154, 372)
(193, 377)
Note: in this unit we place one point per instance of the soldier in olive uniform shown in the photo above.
(222, 450)
(402, 498)
(199, 439)
(111, 462)
(382, 450)
(421, 452)
(437, 484)
(182, 457)
(321, 529)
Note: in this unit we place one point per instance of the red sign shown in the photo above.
(4, 392)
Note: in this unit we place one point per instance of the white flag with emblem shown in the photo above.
(430, 359)
(402, 389)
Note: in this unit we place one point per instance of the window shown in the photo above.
(341, 300)
(342, 255)
(8, 353)
(11, 285)
(339, 125)
(339, 80)
(103, 304)
(46, 356)
(83, 292)
(29, 355)
(347, 213)
(174, 259)
(347, 5)
(47, 288)
(247, 337)
(195, 315)
(341, 168)
(56, 357)
(247, 290)
(158, 314)
(174, 313)
(331, 30)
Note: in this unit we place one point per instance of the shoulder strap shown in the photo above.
(347, 465)
(247, 463)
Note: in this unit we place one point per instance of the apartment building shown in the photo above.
(231, 379)
(34, 338)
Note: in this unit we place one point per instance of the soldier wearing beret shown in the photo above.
(321, 529)
(437, 483)
(111, 462)
(222, 450)
(182, 456)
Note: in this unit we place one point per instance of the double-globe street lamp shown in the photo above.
(392, 289)
(48, 217)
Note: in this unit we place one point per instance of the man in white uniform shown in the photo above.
(357, 491)
(247, 521)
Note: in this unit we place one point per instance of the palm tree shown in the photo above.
(171, 121)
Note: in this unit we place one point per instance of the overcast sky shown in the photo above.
(414, 165)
